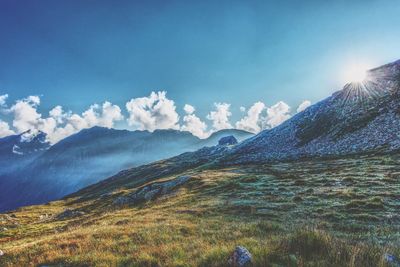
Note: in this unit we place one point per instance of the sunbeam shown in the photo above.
(364, 86)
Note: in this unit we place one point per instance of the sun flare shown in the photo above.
(355, 73)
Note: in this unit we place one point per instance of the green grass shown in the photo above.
(313, 213)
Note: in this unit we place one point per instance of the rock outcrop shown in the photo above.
(68, 213)
(227, 141)
(151, 191)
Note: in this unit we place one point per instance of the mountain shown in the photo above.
(311, 192)
(18, 151)
(360, 118)
(185, 212)
(41, 173)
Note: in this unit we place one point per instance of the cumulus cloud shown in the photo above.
(305, 104)
(276, 114)
(189, 109)
(194, 124)
(220, 117)
(58, 114)
(252, 121)
(5, 129)
(153, 112)
(25, 113)
(3, 100)
(60, 124)
(104, 115)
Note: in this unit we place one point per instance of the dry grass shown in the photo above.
(336, 216)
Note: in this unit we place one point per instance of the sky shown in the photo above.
(190, 65)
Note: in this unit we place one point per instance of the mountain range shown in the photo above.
(321, 189)
(34, 172)
(362, 118)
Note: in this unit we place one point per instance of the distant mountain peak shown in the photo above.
(31, 142)
(31, 135)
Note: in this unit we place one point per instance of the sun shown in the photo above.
(355, 73)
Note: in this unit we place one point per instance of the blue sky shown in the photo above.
(76, 53)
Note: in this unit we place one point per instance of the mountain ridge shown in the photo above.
(87, 157)
(360, 118)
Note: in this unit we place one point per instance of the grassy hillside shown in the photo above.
(341, 212)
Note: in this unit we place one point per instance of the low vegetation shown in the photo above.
(341, 212)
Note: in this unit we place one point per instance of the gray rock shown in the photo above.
(168, 186)
(68, 213)
(121, 201)
(151, 192)
(1, 253)
(241, 257)
(227, 141)
(392, 260)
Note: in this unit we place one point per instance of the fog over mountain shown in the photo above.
(34, 172)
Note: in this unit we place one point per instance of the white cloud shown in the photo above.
(104, 115)
(5, 129)
(60, 124)
(34, 99)
(220, 117)
(305, 104)
(3, 100)
(189, 109)
(58, 114)
(97, 115)
(153, 112)
(251, 122)
(194, 124)
(26, 116)
(276, 114)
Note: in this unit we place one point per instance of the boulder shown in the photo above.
(1, 253)
(227, 141)
(68, 213)
(121, 201)
(151, 192)
(392, 260)
(241, 257)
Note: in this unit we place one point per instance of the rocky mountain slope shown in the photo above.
(360, 118)
(85, 158)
